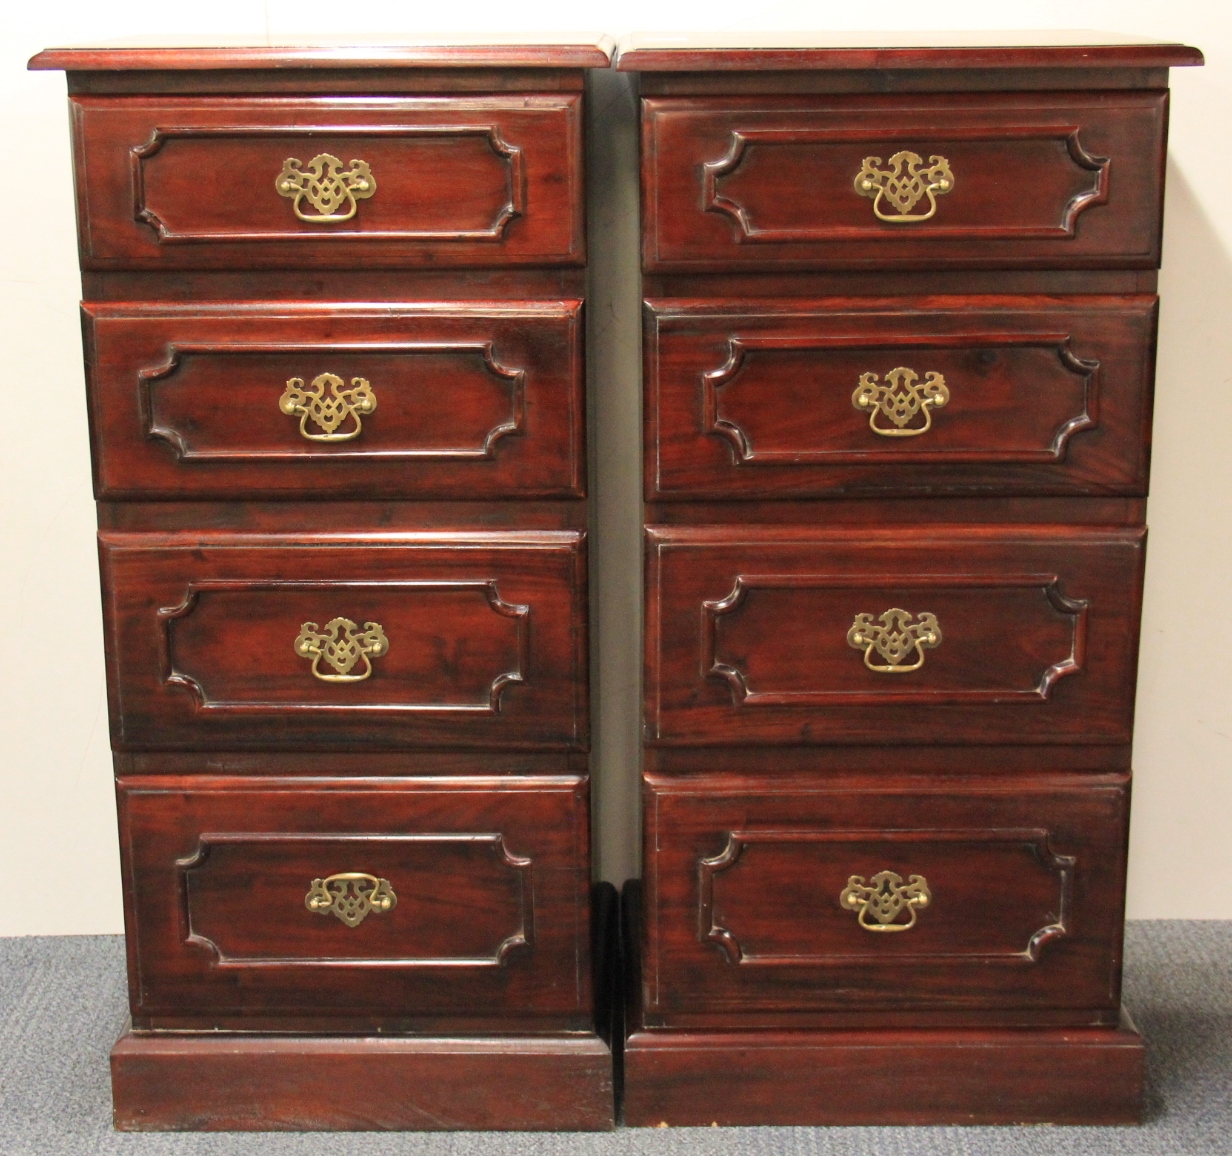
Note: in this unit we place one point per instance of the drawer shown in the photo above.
(882, 894)
(333, 897)
(899, 634)
(447, 400)
(1025, 180)
(335, 182)
(335, 641)
(958, 395)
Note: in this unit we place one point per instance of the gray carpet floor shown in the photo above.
(62, 1004)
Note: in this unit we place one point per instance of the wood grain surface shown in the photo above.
(489, 876)
(1042, 395)
(472, 399)
(1023, 924)
(466, 180)
(174, 1083)
(748, 634)
(1042, 180)
(486, 640)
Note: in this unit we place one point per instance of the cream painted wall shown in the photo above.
(57, 822)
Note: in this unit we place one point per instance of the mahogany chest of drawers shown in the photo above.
(333, 333)
(899, 341)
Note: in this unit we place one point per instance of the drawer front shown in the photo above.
(335, 897)
(934, 634)
(941, 395)
(335, 641)
(923, 181)
(333, 182)
(878, 894)
(452, 400)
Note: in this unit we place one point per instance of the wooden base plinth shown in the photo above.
(167, 1082)
(937, 1076)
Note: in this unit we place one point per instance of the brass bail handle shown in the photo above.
(881, 902)
(334, 192)
(902, 400)
(895, 638)
(903, 184)
(350, 895)
(342, 646)
(336, 416)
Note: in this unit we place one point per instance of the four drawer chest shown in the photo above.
(334, 354)
(899, 350)
(899, 338)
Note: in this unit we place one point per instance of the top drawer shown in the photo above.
(331, 182)
(1038, 180)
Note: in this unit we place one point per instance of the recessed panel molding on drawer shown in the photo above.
(440, 400)
(882, 892)
(896, 182)
(244, 889)
(208, 631)
(736, 915)
(878, 397)
(898, 634)
(330, 897)
(332, 641)
(965, 638)
(443, 180)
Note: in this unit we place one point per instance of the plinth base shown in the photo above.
(166, 1082)
(935, 1076)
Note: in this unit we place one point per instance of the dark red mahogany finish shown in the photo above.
(484, 633)
(451, 188)
(1048, 396)
(361, 900)
(897, 445)
(490, 878)
(763, 871)
(1039, 634)
(504, 414)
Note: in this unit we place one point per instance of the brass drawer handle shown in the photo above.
(894, 636)
(900, 398)
(904, 190)
(884, 898)
(326, 187)
(341, 644)
(350, 896)
(328, 414)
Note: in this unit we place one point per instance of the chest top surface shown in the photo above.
(140, 54)
(894, 51)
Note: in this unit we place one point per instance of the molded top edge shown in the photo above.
(137, 54)
(782, 51)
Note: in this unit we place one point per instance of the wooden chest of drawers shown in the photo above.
(899, 352)
(333, 333)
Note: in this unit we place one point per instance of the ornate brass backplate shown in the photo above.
(326, 186)
(882, 900)
(903, 185)
(351, 896)
(894, 637)
(900, 398)
(328, 414)
(342, 645)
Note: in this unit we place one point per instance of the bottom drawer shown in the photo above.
(412, 901)
(883, 895)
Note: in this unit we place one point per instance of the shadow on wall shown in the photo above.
(1183, 744)
(613, 364)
